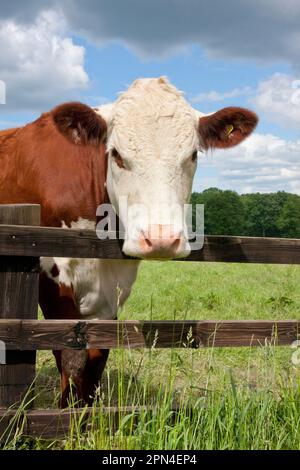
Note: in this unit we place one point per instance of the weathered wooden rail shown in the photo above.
(23, 241)
(56, 423)
(32, 241)
(31, 335)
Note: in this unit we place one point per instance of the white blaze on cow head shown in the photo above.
(153, 139)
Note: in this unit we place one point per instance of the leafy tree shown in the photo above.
(224, 212)
(289, 219)
(257, 215)
(262, 212)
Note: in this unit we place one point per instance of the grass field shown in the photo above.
(242, 398)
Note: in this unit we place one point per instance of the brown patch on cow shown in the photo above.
(80, 371)
(57, 301)
(74, 362)
(39, 165)
(227, 127)
(8, 134)
(54, 271)
(94, 368)
(79, 123)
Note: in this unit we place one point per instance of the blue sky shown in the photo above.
(50, 55)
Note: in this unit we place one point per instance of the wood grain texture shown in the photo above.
(20, 214)
(55, 423)
(74, 334)
(45, 241)
(18, 299)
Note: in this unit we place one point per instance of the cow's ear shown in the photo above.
(227, 127)
(79, 123)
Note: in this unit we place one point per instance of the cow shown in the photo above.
(143, 147)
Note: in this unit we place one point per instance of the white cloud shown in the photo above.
(216, 96)
(264, 163)
(262, 30)
(258, 29)
(278, 98)
(39, 63)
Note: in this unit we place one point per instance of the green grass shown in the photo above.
(242, 398)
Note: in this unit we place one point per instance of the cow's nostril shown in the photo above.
(175, 244)
(148, 242)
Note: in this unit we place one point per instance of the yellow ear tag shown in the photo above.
(230, 129)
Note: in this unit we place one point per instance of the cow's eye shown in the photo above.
(195, 155)
(117, 158)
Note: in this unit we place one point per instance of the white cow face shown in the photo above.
(153, 139)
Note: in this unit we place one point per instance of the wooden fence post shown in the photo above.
(18, 299)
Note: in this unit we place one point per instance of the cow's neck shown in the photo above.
(83, 193)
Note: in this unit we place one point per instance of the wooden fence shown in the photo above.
(23, 241)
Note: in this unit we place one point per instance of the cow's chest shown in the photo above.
(100, 287)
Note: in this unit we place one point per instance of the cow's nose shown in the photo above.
(160, 241)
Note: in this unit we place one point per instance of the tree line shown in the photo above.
(256, 215)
